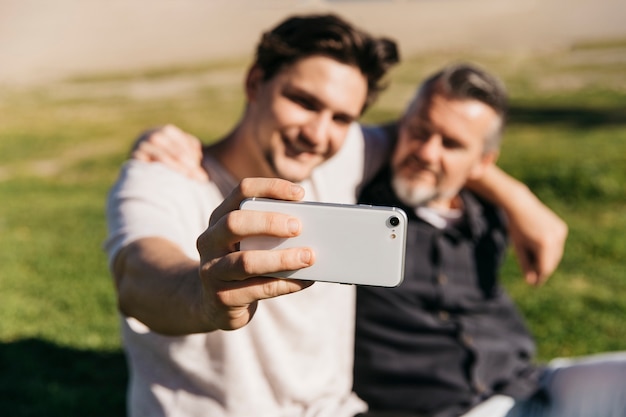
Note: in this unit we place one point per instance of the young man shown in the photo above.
(312, 78)
(448, 337)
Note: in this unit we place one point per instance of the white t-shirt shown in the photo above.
(294, 358)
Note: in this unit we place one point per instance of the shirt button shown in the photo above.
(444, 315)
(467, 340)
(442, 279)
(479, 387)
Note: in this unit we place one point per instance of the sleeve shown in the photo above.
(148, 200)
(379, 142)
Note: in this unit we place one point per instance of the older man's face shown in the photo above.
(441, 146)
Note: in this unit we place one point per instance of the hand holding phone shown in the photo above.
(353, 244)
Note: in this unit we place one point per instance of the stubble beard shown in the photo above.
(288, 168)
(285, 164)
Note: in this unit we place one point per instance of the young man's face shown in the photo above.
(440, 147)
(301, 116)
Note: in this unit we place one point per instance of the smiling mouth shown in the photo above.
(293, 150)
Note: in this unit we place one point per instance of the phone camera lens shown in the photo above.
(394, 221)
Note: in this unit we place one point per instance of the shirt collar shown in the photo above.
(440, 218)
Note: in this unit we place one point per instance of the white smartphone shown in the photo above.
(353, 244)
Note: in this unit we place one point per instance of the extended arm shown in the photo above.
(172, 294)
(160, 286)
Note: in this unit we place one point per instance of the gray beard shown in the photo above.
(410, 195)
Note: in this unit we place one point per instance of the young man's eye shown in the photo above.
(303, 102)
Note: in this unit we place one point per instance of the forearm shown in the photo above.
(159, 286)
(501, 189)
(521, 205)
(538, 234)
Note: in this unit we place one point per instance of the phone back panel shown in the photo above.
(353, 244)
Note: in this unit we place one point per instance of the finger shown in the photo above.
(242, 223)
(235, 294)
(193, 145)
(546, 265)
(185, 142)
(188, 155)
(149, 152)
(221, 237)
(548, 256)
(531, 278)
(258, 187)
(173, 141)
(142, 138)
(187, 149)
(155, 140)
(141, 154)
(259, 288)
(172, 147)
(241, 297)
(527, 265)
(268, 187)
(242, 266)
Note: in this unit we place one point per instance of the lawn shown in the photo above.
(61, 146)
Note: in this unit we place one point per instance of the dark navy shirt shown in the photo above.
(448, 336)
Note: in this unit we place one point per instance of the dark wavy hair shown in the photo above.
(299, 37)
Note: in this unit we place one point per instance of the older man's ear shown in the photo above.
(487, 160)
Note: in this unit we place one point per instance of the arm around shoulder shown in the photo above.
(538, 234)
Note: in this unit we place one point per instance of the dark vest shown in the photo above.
(448, 336)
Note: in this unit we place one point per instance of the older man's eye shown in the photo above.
(451, 143)
(419, 133)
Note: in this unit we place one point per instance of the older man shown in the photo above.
(449, 338)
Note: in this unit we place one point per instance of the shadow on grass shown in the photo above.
(575, 116)
(38, 378)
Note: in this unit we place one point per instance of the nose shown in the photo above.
(317, 131)
(429, 149)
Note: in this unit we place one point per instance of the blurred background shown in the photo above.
(80, 80)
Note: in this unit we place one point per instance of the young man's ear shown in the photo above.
(253, 80)
(488, 159)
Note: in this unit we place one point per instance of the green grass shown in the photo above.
(61, 147)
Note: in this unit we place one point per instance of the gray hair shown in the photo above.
(468, 82)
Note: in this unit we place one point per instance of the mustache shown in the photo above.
(414, 163)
